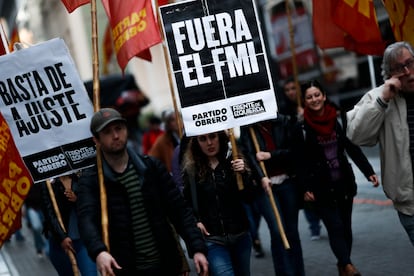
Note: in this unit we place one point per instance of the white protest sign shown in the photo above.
(47, 108)
(219, 64)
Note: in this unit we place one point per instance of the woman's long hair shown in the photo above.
(195, 161)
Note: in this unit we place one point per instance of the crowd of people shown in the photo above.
(196, 189)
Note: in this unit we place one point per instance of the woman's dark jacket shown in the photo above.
(51, 224)
(162, 201)
(219, 201)
(281, 129)
(312, 167)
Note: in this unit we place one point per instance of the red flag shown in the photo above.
(2, 49)
(401, 16)
(108, 49)
(134, 29)
(327, 34)
(72, 5)
(15, 182)
(336, 23)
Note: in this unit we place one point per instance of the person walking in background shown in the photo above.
(142, 203)
(385, 115)
(153, 132)
(210, 187)
(325, 173)
(164, 146)
(61, 241)
(273, 138)
(34, 216)
(295, 110)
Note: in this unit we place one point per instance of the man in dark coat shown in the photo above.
(142, 202)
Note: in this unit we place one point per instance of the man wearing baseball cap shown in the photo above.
(142, 201)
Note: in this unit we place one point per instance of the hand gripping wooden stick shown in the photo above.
(235, 156)
(270, 194)
(59, 218)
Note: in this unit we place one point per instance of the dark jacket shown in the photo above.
(162, 201)
(281, 157)
(219, 201)
(312, 167)
(51, 224)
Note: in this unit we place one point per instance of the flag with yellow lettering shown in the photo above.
(15, 182)
(134, 29)
(72, 5)
(401, 16)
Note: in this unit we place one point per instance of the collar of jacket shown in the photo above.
(136, 160)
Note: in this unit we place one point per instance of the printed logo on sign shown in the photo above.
(80, 154)
(50, 163)
(211, 117)
(248, 109)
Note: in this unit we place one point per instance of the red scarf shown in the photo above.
(323, 125)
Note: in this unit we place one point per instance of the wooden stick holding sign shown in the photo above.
(59, 218)
(235, 155)
(270, 194)
(96, 107)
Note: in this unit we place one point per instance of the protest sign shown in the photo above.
(218, 63)
(47, 109)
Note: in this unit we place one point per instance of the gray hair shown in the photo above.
(391, 54)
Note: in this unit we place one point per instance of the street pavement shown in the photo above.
(381, 247)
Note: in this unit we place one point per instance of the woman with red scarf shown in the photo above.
(325, 174)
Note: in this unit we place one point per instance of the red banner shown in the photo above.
(134, 29)
(15, 182)
(338, 23)
(401, 15)
(72, 5)
(107, 49)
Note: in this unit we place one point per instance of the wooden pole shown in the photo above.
(235, 155)
(59, 218)
(96, 105)
(270, 194)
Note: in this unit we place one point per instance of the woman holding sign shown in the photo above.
(210, 186)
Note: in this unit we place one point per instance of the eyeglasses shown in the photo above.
(400, 68)
(203, 138)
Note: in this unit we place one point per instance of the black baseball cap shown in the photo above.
(103, 117)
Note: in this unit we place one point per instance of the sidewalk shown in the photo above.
(19, 258)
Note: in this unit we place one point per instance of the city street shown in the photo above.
(381, 247)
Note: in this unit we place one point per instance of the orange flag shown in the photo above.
(134, 29)
(15, 182)
(401, 16)
(354, 26)
(72, 5)
(14, 38)
(107, 48)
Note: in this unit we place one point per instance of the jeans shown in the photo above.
(338, 222)
(313, 221)
(254, 216)
(286, 262)
(35, 218)
(61, 262)
(408, 224)
(230, 259)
